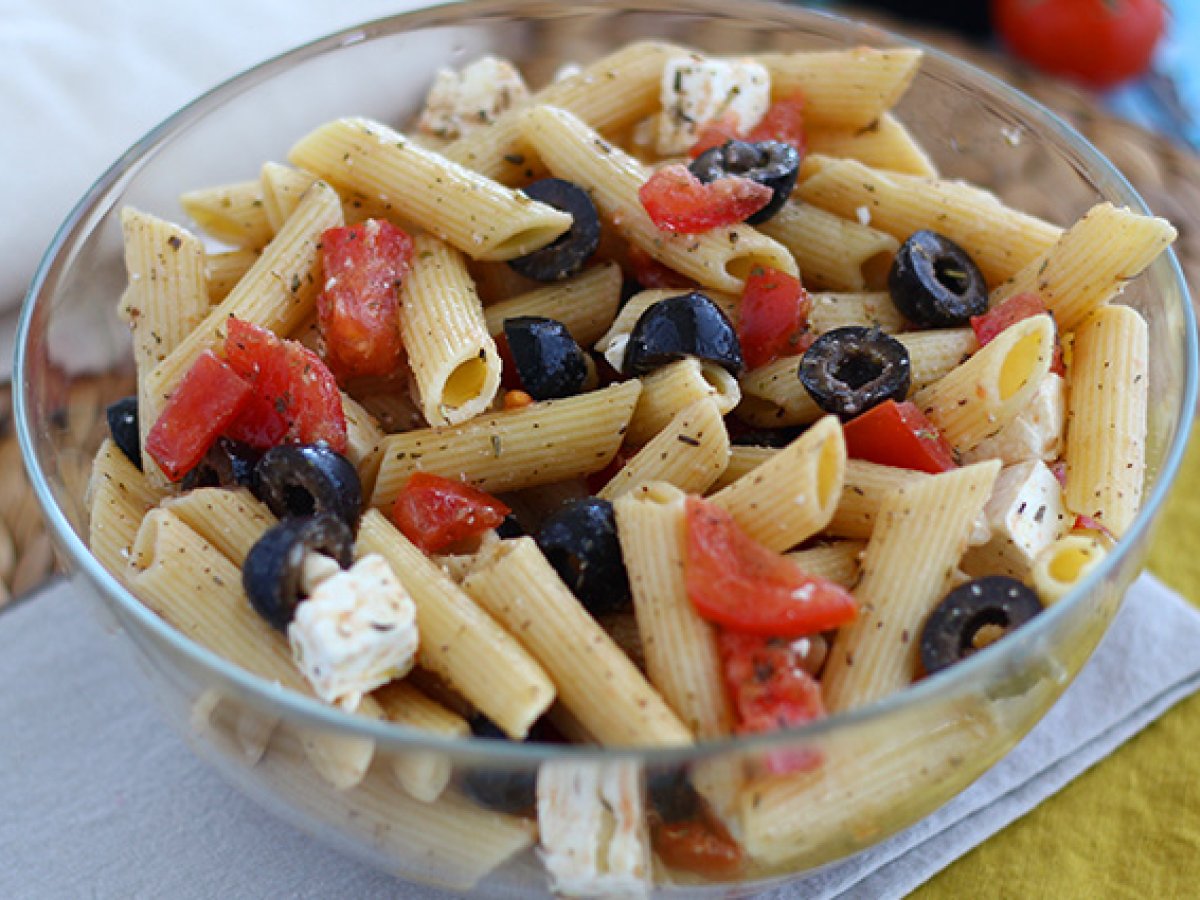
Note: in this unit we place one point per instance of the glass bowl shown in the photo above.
(886, 766)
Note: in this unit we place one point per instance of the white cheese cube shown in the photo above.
(356, 631)
(697, 90)
(462, 102)
(1026, 514)
(1036, 433)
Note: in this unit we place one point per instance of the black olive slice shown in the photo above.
(567, 255)
(671, 794)
(935, 283)
(123, 426)
(678, 327)
(549, 362)
(228, 463)
(511, 791)
(510, 528)
(767, 437)
(973, 615)
(274, 567)
(849, 370)
(307, 480)
(770, 163)
(580, 541)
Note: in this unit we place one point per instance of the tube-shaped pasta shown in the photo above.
(630, 80)
(773, 397)
(793, 495)
(543, 443)
(282, 188)
(1064, 564)
(837, 561)
(585, 304)
(1001, 240)
(690, 453)
(1106, 416)
(341, 759)
(742, 459)
(842, 88)
(594, 679)
(830, 311)
(480, 217)
(933, 354)
(864, 488)
(920, 535)
(233, 213)
(118, 498)
(454, 361)
(719, 259)
(230, 520)
(225, 269)
(1091, 263)
(677, 386)
(363, 439)
(977, 399)
(834, 252)
(884, 144)
(424, 774)
(459, 641)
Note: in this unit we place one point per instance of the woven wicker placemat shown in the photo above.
(1166, 175)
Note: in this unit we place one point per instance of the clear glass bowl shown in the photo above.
(887, 765)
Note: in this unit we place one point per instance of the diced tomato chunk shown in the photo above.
(1008, 312)
(716, 134)
(678, 201)
(771, 690)
(898, 434)
(773, 314)
(435, 512)
(650, 273)
(296, 396)
(208, 398)
(359, 308)
(738, 583)
(783, 122)
(700, 845)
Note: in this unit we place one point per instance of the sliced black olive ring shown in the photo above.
(568, 253)
(512, 791)
(549, 362)
(580, 541)
(307, 480)
(671, 794)
(123, 426)
(972, 616)
(935, 283)
(849, 370)
(770, 163)
(274, 567)
(227, 463)
(678, 327)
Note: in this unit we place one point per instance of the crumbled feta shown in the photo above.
(356, 631)
(1036, 432)
(592, 823)
(697, 90)
(615, 351)
(1026, 514)
(462, 102)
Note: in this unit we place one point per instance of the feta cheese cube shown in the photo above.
(1036, 433)
(697, 90)
(462, 102)
(356, 631)
(1026, 514)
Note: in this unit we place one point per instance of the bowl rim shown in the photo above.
(296, 706)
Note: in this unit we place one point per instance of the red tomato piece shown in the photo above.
(1098, 42)
(359, 308)
(678, 201)
(773, 314)
(736, 582)
(650, 273)
(898, 434)
(295, 391)
(771, 690)
(783, 122)
(1009, 312)
(1088, 523)
(716, 133)
(435, 512)
(208, 398)
(698, 845)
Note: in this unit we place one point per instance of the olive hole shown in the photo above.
(299, 502)
(951, 276)
(984, 629)
(857, 369)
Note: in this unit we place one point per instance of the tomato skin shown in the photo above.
(898, 434)
(208, 398)
(295, 391)
(739, 584)
(698, 845)
(1098, 42)
(359, 308)
(783, 122)
(435, 512)
(650, 273)
(678, 201)
(773, 313)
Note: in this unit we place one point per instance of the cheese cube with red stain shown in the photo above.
(697, 90)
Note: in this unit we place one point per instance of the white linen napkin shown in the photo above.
(99, 798)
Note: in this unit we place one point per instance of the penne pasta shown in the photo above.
(118, 498)
(585, 304)
(225, 269)
(424, 774)
(1064, 564)
(872, 310)
(232, 521)
(864, 488)
(883, 144)
(233, 213)
(742, 459)
(282, 188)
(838, 561)
(674, 387)
(834, 252)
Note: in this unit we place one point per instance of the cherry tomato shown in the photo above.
(297, 398)
(1098, 42)
(783, 122)
(208, 398)
(359, 309)
(435, 512)
(738, 583)
(650, 273)
(698, 845)
(898, 434)
(771, 690)
(678, 201)
(772, 316)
